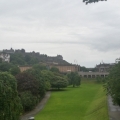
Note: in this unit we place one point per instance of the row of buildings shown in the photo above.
(49, 61)
(61, 68)
(101, 69)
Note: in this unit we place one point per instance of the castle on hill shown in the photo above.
(41, 57)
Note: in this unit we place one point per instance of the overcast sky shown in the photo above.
(82, 34)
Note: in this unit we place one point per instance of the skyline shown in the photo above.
(88, 34)
(75, 61)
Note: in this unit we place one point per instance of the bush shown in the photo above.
(59, 82)
(10, 104)
(74, 79)
(28, 88)
(36, 73)
(113, 84)
(27, 82)
(28, 100)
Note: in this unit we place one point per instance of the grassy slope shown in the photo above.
(87, 102)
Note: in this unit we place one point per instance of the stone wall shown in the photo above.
(24, 68)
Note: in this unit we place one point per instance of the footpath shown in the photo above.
(114, 110)
(38, 108)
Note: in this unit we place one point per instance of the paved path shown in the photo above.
(114, 111)
(38, 107)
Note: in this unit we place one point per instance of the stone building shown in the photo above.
(9, 51)
(66, 68)
(62, 68)
(5, 57)
(93, 74)
(101, 70)
(24, 68)
(104, 67)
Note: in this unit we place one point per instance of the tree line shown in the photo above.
(111, 83)
(22, 91)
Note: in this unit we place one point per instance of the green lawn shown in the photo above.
(87, 102)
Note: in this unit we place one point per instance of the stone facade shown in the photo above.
(5, 57)
(62, 69)
(9, 51)
(93, 74)
(104, 67)
(24, 68)
(67, 68)
(101, 70)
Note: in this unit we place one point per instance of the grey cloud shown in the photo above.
(61, 22)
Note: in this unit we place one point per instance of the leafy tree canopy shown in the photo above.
(14, 70)
(36, 72)
(28, 100)
(23, 59)
(9, 67)
(5, 66)
(54, 69)
(74, 79)
(113, 84)
(92, 1)
(17, 58)
(47, 76)
(59, 82)
(27, 82)
(39, 67)
(10, 105)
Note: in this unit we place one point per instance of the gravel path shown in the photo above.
(38, 108)
(114, 110)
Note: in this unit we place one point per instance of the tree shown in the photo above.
(47, 76)
(91, 1)
(27, 82)
(54, 69)
(14, 70)
(10, 104)
(34, 60)
(98, 79)
(74, 79)
(28, 89)
(28, 100)
(5, 67)
(39, 67)
(27, 58)
(113, 84)
(8, 67)
(77, 80)
(36, 72)
(0, 60)
(17, 58)
(59, 82)
(84, 69)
